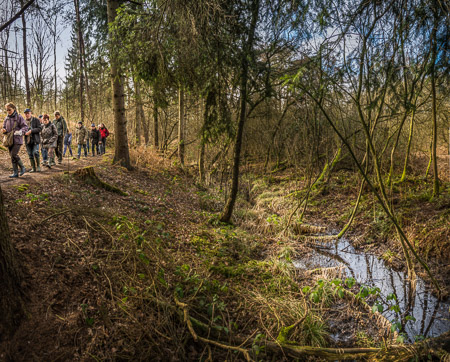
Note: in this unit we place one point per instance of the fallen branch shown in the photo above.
(41, 222)
(438, 346)
(194, 335)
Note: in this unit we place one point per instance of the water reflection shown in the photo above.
(432, 317)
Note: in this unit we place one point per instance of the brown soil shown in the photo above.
(59, 226)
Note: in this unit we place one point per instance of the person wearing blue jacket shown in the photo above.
(68, 142)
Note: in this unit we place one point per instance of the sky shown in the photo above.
(16, 43)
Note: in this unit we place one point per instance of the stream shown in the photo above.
(432, 317)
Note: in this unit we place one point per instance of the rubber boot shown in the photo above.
(15, 171)
(22, 168)
(33, 165)
(38, 165)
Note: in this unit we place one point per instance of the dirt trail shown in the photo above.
(69, 164)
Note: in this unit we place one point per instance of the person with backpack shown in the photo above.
(103, 134)
(49, 136)
(15, 123)
(94, 136)
(32, 140)
(61, 127)
(67, 143)
(80, 138)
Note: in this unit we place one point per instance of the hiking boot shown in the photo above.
(38, 165)
(22, 168)
(52, 161)
(15, 171)
(33, 165)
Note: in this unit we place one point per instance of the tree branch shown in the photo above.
(17, 16)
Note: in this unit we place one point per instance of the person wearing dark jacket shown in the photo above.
(14, 122)
(32, 140)
(103, 134)
(49, 140)
(61, 127)
(94, 136)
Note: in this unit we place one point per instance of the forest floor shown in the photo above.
(154, 275)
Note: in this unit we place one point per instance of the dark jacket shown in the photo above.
(68, 139)
(61, 126)
(49, 135)
(81, 135)
(21, 125)
(94, 135)
(35, 125)
(103, 132)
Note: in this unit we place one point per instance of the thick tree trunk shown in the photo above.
(228, 209)
(122, 152)
(181, 125)
(25, 58)
(10, 278)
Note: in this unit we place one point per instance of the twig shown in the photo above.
(49, 217)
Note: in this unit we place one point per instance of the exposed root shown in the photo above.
(88, 176)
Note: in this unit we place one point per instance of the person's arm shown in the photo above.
(22, 125)
(64, 123)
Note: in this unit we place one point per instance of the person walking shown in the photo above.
(61, 127)
(80, 138)
(49, 140)
(94, 136)
(67, 143)
(15, 123)
(103, 134)
(32, 140)
(44, 151)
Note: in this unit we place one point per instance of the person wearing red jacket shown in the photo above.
(103, 134)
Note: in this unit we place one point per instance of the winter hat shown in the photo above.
(92, 125)
(27, 110)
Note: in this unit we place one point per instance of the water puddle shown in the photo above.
(419, 312)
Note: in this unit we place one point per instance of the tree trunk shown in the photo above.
(80, 54)
(155, 125)
(181, 125)
(433, 108)
(121, 153)
(139, 112)
(25, 58)
(10, 278)
(54, 62)
(228, 209)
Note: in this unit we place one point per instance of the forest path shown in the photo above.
(69, 164)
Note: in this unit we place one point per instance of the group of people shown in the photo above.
(42, 136)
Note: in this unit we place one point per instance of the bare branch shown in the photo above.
(17, 16)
